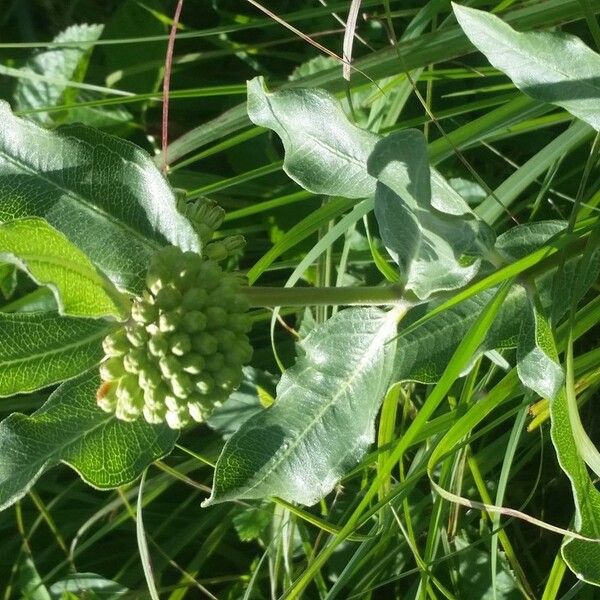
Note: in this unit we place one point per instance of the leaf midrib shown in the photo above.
(57, 350)
(327, 406)
(315, 140)
(65, 264)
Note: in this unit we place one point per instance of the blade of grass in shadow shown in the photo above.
(143, 543)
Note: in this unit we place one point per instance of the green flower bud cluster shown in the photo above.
(206, 216)
(182, 351)
(219, 250)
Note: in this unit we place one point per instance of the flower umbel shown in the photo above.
(182, 351)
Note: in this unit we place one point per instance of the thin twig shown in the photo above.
(166, 85)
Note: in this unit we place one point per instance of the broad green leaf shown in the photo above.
(58, 66)
(557, 68)
(44, 83)
(40, 349)
(428, 228)
(30, 583)
(416, 53)
(324, 152)
(521, 240)
(573, 279)
(244, 403)
(423, 351)
(8, 280)
(436, 240)
(103, 193)
(537, 371)
(327, 154)
(95, 586)
(70, 428)
(425, 345)
(471, 191)
(50, 259)
(582, 557)
(323, 419)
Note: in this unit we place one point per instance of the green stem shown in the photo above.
(318, 296)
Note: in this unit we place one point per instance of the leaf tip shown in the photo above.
(256, 95)
(462, 13)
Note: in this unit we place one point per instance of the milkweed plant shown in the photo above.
(137, 328)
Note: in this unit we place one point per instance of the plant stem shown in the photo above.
(318, 296)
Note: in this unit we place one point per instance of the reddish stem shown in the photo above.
(166, 85)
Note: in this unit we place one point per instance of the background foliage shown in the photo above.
(460, 422)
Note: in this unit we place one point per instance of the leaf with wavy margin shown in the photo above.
(323, 419)
(70, 428)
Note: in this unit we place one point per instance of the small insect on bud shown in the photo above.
(106, 397)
